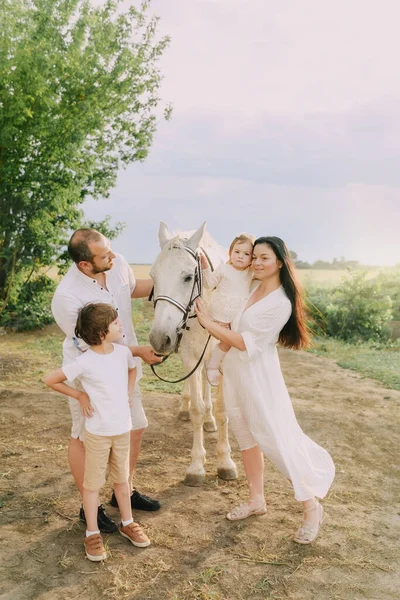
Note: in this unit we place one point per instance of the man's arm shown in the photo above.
(65, 311)
(143, 288)
(131, 381)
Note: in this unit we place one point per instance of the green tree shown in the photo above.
(79, 91)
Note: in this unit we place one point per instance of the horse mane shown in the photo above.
(215, 251)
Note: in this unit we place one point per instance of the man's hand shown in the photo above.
(87, 409)
(147, 354)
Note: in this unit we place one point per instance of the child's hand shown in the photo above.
(87, 409)
(203, 261)
(129, 401)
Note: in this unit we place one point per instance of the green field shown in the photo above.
(307, 276)
(38, 352)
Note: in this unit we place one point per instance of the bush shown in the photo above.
(30, 306)
(356, 310)
(390, 283)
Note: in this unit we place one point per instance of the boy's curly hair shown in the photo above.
(93, 322)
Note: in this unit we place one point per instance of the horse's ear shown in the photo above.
(163, 234)
(194, 241)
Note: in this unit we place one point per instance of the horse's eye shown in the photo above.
(188, 278)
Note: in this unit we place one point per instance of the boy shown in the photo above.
(107, 374)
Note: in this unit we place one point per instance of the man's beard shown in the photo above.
(96, 270)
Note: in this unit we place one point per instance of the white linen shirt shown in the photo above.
(104, 377)
(77, 289)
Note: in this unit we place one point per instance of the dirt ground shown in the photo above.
(196, 553)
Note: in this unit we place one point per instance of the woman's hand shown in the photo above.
(87, 409)
(202, 313)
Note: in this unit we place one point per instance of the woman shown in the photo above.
(258, 404)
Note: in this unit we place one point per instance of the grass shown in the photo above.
(378, 361)
(26, 357)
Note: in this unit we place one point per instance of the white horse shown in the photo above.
(176, 275)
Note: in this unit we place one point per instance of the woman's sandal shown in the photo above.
(244, 510)
(308, 532)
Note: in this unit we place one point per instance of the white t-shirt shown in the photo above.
(77, 289)
(104, 377)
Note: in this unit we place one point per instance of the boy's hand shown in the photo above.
(87, 409)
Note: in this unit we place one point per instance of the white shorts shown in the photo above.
(138, 416)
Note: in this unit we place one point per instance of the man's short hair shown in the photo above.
(93, 322)
(78, 245)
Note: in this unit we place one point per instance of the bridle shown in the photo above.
(197, 292)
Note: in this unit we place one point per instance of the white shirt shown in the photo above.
(77, 289)
(104, 377)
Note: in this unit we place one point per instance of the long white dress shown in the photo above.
(256, 397)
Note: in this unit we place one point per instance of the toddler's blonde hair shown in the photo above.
(242, 238)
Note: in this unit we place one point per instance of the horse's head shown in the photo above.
(173, 274)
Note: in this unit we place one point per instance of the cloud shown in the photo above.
(361, 145)
(286, 121)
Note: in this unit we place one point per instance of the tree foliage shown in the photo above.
(356, 310)
(78, 100)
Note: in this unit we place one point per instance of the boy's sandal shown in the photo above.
(245, 510)
(308, 532)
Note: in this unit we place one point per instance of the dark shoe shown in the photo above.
(139, 501)
(104, 523)
(142, 502)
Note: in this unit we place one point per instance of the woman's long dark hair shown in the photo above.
(295, 334)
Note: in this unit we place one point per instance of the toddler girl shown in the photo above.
(232, 283)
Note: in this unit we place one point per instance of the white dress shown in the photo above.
(232, 289)
(256, 397)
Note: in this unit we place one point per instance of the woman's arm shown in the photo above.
(233, 338)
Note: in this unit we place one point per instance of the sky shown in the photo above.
(286, 121)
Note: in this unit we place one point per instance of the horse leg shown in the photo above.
(226, 467)
(195, 473)
(184, 414)
(209, 421)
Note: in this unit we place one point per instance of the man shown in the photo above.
(100, 275)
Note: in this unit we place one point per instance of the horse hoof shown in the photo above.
(184, 415)
(194, 480)
(210, 426)
(227, 474)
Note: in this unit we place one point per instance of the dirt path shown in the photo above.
(196, 553)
